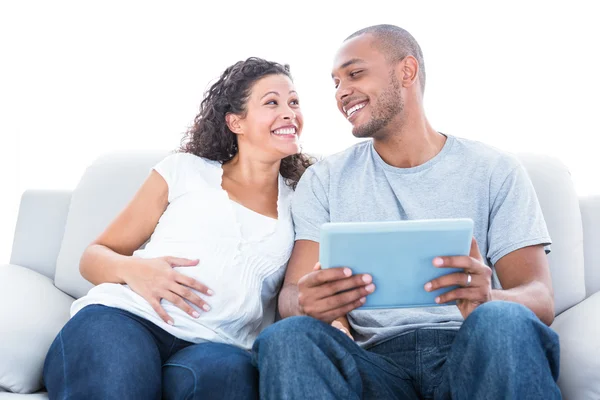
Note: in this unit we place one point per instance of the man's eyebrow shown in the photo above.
(349, 63)
(268, 93)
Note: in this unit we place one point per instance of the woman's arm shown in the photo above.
(108, 259)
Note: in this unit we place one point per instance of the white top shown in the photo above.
(243, 256)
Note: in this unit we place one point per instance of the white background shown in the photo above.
(80, 79)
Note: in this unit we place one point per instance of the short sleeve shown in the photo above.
(310, 206)
(516, 219)
(172, 168)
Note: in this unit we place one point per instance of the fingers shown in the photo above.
(161, 311)
(455, 279)
(181, 262)
(186, 293)
(194, 284)
(319, 277)
(464, 262)
(470, 294)
(339, 312)
(178, 301)
(332, 288)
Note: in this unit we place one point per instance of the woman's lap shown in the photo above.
(111, 353)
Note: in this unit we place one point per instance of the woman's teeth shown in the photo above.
(286, 131)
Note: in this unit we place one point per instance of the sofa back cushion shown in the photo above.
(104, 190)
(560, 206)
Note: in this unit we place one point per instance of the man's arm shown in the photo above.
(523, 274)
(327, 295)
(525, 277)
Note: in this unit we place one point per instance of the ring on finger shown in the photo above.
(469, 279)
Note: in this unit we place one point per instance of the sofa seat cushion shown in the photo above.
(33, 312)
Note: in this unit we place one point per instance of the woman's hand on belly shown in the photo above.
(154, 279)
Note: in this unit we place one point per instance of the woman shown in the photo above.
(176, 318)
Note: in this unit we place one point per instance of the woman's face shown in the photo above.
(273, 120)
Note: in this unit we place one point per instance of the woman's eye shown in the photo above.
(272, 102)
(295, 102)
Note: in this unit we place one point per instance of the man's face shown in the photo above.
(367, 90)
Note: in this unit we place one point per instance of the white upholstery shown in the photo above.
(32, 314)
(26, 331)
(104, 190)
(560, 206)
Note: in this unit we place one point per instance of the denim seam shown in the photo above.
(62, 350)
(189, 369)
(378, 367)
(172, 346)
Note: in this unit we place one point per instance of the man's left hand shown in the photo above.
(475, 282)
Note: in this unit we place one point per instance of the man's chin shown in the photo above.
(361, 133)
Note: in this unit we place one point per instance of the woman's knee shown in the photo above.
(101, 349)
(210, 371)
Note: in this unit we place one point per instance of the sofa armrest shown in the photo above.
(579, 329)
(33, 312)
(590, 216)
(39, 231)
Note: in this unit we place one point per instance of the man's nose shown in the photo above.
(342, 92)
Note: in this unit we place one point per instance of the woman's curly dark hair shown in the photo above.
(210, 136)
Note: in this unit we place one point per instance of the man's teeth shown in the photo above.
(287, 131)
(355, 109)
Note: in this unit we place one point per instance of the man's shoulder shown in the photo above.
(343, 159)
(485, 156)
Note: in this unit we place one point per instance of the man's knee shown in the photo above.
(500, 315)
(290, 334)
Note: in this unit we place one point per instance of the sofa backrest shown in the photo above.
(104, 190)
(560, 206)
(590, 214)
(110, 182)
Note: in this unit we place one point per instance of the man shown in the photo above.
(495, 343)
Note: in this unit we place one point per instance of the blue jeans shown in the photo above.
(108, 353)
(502, 351)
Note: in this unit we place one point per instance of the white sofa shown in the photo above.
(54, 227)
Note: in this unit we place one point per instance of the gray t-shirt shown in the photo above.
(466, 179)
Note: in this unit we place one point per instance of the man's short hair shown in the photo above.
(395, 43)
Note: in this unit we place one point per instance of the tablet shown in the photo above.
(398, 254)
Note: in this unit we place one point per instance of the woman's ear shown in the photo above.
(234, 123)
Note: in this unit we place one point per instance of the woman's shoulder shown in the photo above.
(189, 162)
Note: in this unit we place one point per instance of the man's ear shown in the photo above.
(234, 123)
(408, 71)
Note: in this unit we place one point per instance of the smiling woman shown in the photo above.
(223, 199)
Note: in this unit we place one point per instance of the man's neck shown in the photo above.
(415, 143)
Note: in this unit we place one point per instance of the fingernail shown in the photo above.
(367, 279)
(370, 287)
(347, 272)
(195, 314)
(438, 261)
(170, 322)
(437, 299)
(206, 307)
(428, 286)
(210, 292)
(363, 300)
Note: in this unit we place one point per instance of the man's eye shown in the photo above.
(354, 73)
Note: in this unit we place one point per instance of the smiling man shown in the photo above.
(495, 343)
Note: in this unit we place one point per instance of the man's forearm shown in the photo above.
(534, 295)
(288, 301)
